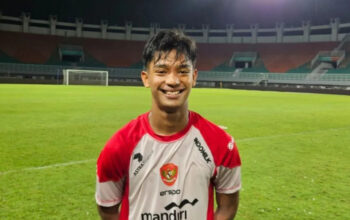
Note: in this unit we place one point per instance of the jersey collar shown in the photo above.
(168, 138)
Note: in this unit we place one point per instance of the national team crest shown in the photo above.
(168, 173)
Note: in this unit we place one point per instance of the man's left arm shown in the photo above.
(227, 180)
(227, 205)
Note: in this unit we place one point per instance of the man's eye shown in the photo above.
(184, 71)
(160, 71)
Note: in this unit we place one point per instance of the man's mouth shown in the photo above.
(172, 92)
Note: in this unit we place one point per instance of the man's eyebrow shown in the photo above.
(184, 65)
(161, 65)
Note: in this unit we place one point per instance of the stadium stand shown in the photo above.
(281, 58)
(305, 68)
(28, 48)
(344, 67)
(224, 67)
(43, 49)
(114, 53)
(4, 58)
(41, 58)
(278, 58)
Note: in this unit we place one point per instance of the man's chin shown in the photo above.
(171, 107)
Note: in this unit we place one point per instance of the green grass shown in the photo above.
(295, 148)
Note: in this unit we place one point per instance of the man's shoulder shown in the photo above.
(207, 127)
(216, 138)
(115, 156)
(220, 143)
(130, 133)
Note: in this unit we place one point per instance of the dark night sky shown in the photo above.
(168, 13)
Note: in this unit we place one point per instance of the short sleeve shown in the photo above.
(228, 170)
(111, 173)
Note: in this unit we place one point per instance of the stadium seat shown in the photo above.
(42, 49)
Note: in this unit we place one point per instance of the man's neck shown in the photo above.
(165, 123)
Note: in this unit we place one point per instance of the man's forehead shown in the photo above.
(171, 57)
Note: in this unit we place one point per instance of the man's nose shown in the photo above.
(173, 79)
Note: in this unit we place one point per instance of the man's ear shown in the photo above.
(144, 77)
(195, 75)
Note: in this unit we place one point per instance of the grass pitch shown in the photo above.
(295, 148)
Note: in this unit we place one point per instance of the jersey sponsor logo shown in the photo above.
(174, 215)
(182, 204)
(168, 173)
(202, 150)
(170, 192)
(140, 166)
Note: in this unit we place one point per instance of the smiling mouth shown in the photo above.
(171, 93)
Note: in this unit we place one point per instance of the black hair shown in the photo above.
(166, 41)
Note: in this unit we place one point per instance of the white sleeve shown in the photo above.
(228, 180)
(109, 193)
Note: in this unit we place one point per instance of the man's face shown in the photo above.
(170, 79)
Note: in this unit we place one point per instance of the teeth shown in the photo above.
(172, 93)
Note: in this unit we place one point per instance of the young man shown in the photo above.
(165, 164)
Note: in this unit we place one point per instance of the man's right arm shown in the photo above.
(108, 213)
(111, 169)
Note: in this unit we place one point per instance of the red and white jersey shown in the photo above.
(167, 177)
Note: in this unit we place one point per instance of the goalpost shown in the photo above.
(85, 77)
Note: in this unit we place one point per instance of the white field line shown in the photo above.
(287, 135)
(238, 140)
(48, 166)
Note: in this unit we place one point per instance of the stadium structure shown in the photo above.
(307, 57)
(294, 146)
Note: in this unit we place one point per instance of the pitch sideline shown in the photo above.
(48, 166)
(286, 135)
(238, 140)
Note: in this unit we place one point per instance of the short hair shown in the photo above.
(166, 41)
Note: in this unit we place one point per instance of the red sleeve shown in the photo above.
(227, 176)
(111, 172)
(221, 144)
(112, 163)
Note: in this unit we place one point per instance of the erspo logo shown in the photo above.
(168, 173)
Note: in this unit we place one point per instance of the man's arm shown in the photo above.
(227, 205)
(109, 213)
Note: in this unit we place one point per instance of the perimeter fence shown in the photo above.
(54, 74)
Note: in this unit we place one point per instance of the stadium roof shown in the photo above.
(193, 13)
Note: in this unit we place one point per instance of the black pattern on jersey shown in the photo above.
(202, 150)
(182, 204)
(138, 156)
